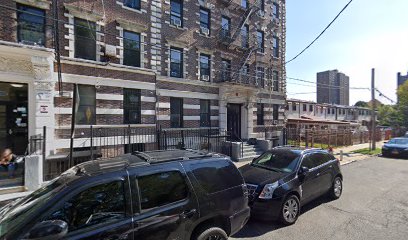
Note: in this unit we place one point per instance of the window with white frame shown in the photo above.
(176, 13)
(260, 76)
(30, 25)
(275, 10)
(131, 49)
(205, 25)
(176, 62)
(132, 4)
(85, 39)
(260, 41)
(205, 67)
(245, 36)
(225, 70)
(275, 79)
(275, 50)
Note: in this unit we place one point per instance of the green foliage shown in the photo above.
(361, 104)
(388, 115)
(402, 106)
(367, 151)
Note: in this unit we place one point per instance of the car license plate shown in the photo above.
(395, 152)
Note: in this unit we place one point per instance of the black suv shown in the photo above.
(179, 194)
(283, 179)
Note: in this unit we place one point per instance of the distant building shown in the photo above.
(333, 87)
(401, 79)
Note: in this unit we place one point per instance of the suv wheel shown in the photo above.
(212, 233)
(337, 188)
(290, 210)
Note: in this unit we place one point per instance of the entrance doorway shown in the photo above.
(14, 117)
(234, 120)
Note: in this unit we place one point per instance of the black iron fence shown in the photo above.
(96, 142)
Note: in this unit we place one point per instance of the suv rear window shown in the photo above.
(214, 176)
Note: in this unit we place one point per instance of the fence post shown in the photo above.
(306, 138)
(165, 140)
(341, 155)
(44, 142)
(158, 139)
(92, 158)
(130, 150)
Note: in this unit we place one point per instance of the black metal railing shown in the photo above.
(97, 142)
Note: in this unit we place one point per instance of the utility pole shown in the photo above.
(373, 107)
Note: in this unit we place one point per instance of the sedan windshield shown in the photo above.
(400, 141)
(280, 161)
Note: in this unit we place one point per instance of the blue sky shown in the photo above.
(369, 34)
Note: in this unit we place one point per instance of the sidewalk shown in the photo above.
(348, 156)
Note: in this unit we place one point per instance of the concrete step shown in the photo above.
(247, 158)
(11, 190)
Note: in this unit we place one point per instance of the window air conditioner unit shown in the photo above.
(275, 122)
(176, 22)
(110, 50)
(205, 31)
(205, 77)
(210, 6)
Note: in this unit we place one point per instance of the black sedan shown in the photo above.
(396, 147)
(280, 181)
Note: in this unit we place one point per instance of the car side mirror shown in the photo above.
(303, 171)
(47, 230)
(385, 142)
(253, 160)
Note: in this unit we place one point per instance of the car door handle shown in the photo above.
(318, 174)
(188, 213)
(330, 166)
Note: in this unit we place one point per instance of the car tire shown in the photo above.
(211, 233)
(290, 210)
(337, 188)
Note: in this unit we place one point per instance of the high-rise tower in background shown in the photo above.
(333, 87)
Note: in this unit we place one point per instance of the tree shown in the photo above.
(388, 115)
(402, 105)
(361, 104)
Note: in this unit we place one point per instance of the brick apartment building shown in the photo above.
(333, 88)
(145, 63)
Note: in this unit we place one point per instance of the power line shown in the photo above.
(308, 46)
(324, 85)
(384, 96)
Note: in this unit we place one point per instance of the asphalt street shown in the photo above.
(374, 205)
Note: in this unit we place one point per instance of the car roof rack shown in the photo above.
(173, 155)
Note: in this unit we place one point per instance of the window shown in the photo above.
(225, 70)
(260, 114)
(161, 189)
(309, 162)
(245, 73)
(97, 205)
(333, 110)
(131, 49)
(281, 161)
(275, 112)
(31, 25)
(275, 10)
(176, 112)
(211, 175)
(245, 36)
(294, 108)
(205, 21)
(86, 105)
(275, 79)
(205, 113)
(176, 13)
(226, 26)
(244, 4)
(310, 108)
(205, 67)
(260, 41)
(85, 39)
(260, 75)
(262, 5)
(304, 107)
(176, 62)
(131, 106)
(132, 3)
(275, 41)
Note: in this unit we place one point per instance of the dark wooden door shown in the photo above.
(234, 120)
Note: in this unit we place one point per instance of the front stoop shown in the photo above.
(250, 152)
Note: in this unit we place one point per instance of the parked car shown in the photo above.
(282, 180)
(178, 194)
(397, 147)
